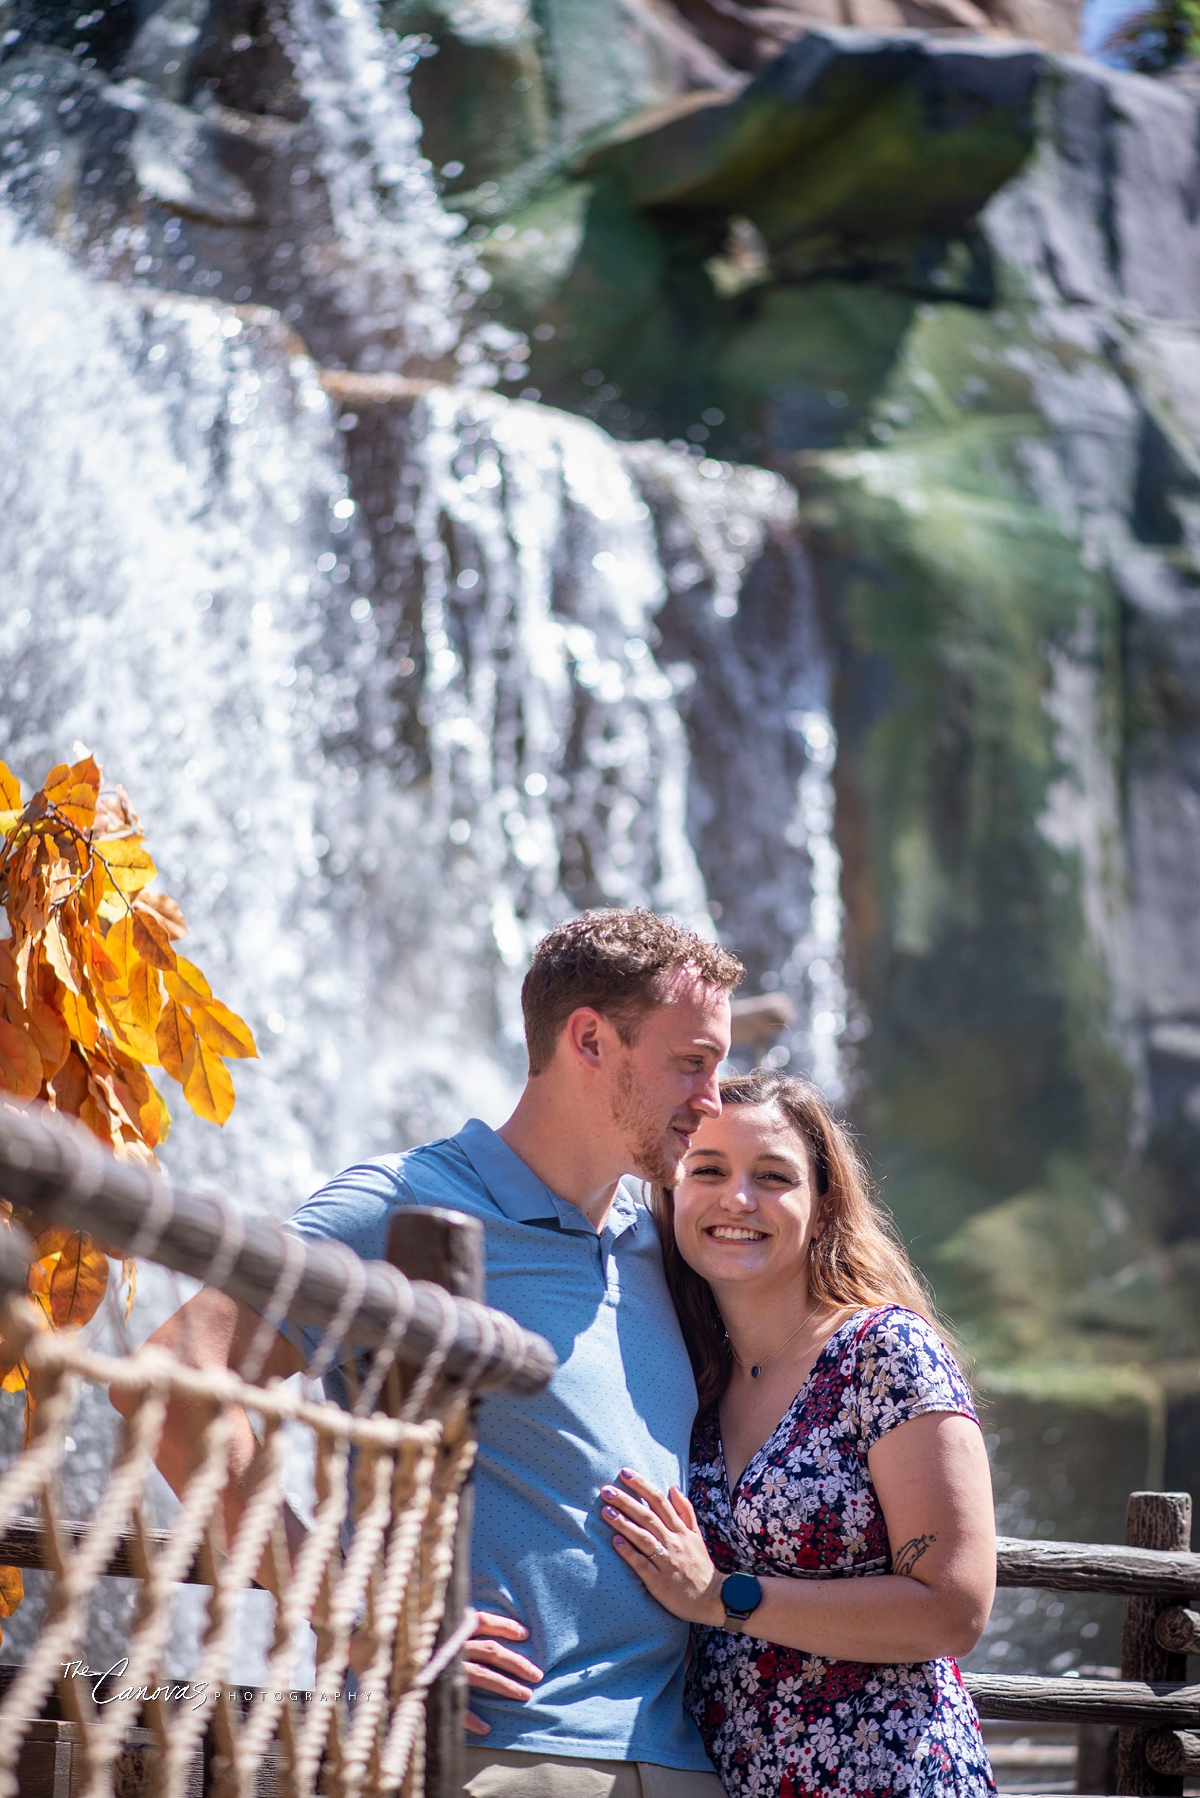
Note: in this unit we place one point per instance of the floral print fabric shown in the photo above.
(779, 1723)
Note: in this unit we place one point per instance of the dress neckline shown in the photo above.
(731, 1490)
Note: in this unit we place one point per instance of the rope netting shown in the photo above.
(370, 1576)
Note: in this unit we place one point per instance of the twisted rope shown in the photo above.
(335, 1335)
(377, 1610)
(385, 1354)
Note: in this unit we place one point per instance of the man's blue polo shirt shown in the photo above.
(623, 1396)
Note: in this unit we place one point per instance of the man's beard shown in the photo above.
(650, 1147)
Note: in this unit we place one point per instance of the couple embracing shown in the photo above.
(786, 1612)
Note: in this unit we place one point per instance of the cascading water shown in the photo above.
(396, 675)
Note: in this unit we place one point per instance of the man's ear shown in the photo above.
(584, 1035)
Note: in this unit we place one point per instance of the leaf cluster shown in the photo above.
(92, 993)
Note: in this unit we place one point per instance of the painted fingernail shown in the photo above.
(608, 1492)
(628, 1473)
(619, 1542)
(609, 1512)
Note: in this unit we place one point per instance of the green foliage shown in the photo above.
(1158, 36)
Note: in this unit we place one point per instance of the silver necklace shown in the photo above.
(758, 1366)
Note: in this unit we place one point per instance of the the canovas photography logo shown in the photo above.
(107, 1689)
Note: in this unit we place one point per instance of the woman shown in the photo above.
(836, 1439)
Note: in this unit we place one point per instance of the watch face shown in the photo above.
(741, 1592)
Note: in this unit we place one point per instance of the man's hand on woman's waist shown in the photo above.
(497, 1669)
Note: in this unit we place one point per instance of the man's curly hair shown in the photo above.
(618, 962)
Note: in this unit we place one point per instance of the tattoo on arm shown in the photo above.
(908, 1556)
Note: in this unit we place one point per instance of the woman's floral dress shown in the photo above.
(779, 1723)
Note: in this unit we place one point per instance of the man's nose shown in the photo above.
(708, 1099)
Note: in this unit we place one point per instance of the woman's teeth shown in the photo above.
(729, 1233)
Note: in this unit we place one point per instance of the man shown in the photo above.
(626, 1020)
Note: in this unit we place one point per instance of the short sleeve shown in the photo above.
(352, 1209)
(903, 1370)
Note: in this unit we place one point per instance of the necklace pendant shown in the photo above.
(754, 1372)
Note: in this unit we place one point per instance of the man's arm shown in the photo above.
(214, 1331)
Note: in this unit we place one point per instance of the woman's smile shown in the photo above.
(734, 1233)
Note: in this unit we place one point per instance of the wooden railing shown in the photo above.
(1153, 1708)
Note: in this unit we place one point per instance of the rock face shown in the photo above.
(513, 78)
(952, 290)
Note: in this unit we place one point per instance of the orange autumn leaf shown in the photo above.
(174, 1037)
(57, 780)
(12, 1378)
(207, 1086)
(145, 1000)
(223, 1030)
(60, 955)
(129, 1279)
(10, 790)
(118, 1116)
(101, 965)
(166, 911)
(151, 941)
(119, 943)
(12, 1591)
(20, 1063)
(68, 1276)
(49, 1034)
(79, 1018)
(96, 885)
(130, 867)
(186, 983)
(141, 1100)
(94, 1112)
(68, 1089)
(129, 1036)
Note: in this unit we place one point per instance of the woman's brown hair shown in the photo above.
(857, 1260)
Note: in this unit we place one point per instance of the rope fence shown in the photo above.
(379, 1576)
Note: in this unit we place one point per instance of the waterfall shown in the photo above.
(374, 764)
(402, 273)
(396, 672)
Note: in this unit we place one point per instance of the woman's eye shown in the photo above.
(717, 1171)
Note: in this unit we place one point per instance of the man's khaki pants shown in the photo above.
(498, 1773)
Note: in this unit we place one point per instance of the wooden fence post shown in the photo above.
(1152, 1520)
(447, 1248)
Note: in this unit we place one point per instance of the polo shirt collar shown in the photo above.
(518, 1192)
(515, 1187)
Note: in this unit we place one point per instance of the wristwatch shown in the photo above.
(741, 1595)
